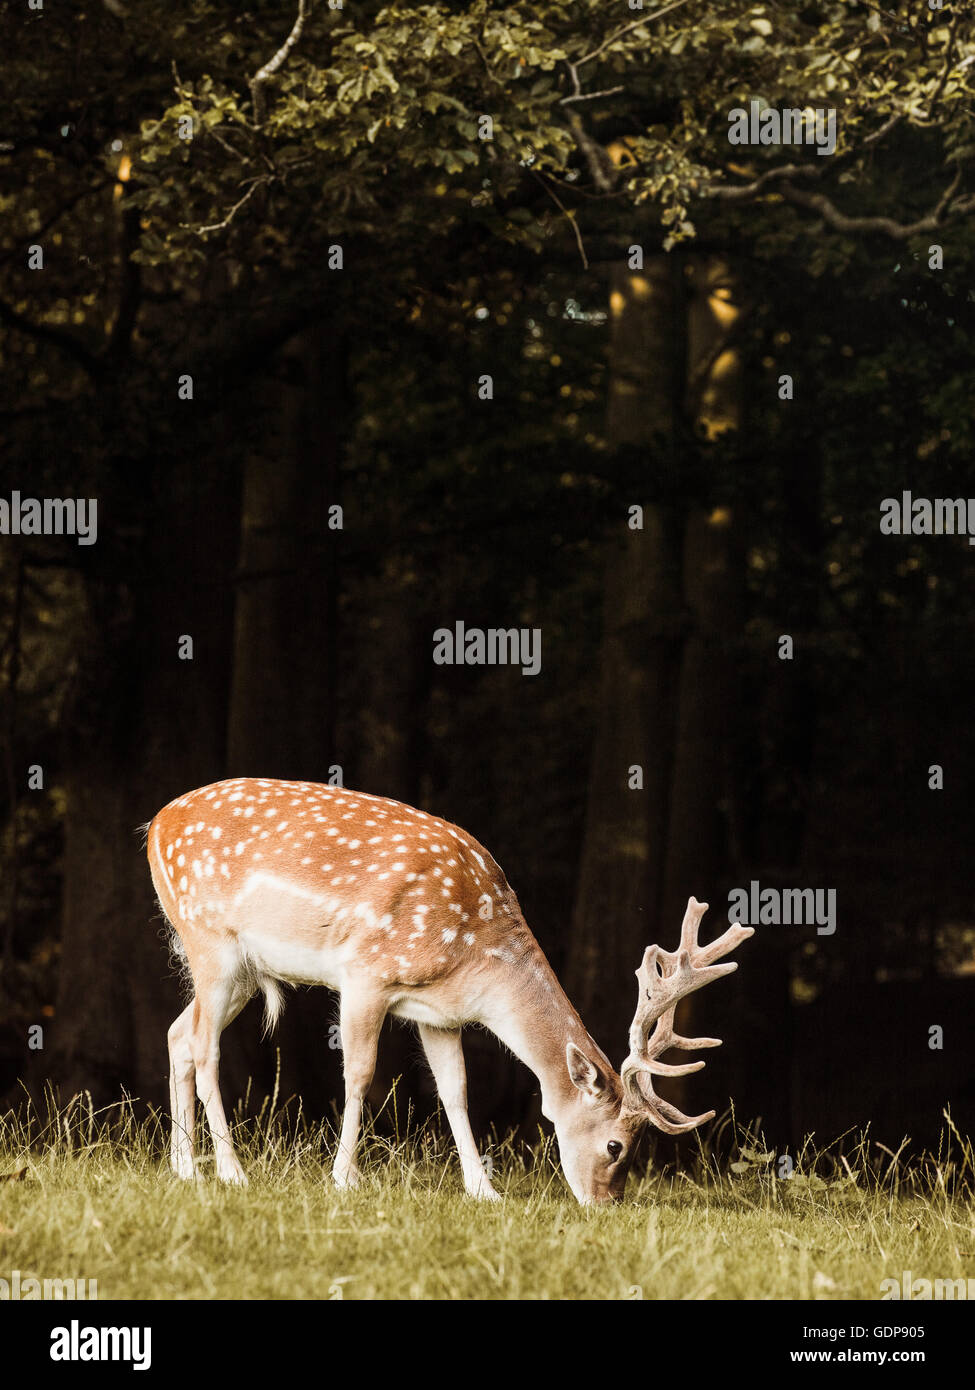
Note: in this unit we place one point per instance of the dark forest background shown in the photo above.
(636, 288)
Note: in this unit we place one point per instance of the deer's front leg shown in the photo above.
(360, 1020)
(445, 1053)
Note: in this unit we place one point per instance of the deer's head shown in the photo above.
(600, 1123)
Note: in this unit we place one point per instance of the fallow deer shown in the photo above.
(265, 882)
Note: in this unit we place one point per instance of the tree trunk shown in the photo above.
(713, 593)
(282, 706)
(280, 716)
(142, 727)
(673, 602)
(714, 597)
(621, 864)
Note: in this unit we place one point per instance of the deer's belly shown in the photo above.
(296, 962)
(425, 1011)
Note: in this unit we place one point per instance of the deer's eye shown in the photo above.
(614, 1148)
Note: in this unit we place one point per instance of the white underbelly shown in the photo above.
(296, 964)
(423, 1011)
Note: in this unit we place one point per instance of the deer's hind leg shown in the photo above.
(182, 1095)
(221, 989)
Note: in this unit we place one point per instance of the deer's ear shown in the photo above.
(584, 1074)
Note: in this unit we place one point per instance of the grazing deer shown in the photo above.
(402, 913)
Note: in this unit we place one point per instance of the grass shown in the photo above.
(88, 1195)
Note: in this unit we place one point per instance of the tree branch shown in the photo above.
(591, 96)
(487, 66)
(786, 172)
(646, 19)
(219, 226)
(271, 66)
(740, 192)
(569, 216)
(577, 92)
(600, 165)
(882, 226)
(47, 332)
(38, 234)
(943, 79)
(885, 129)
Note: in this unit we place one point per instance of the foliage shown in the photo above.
(367, 135)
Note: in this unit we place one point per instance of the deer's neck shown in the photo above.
(530, 1012)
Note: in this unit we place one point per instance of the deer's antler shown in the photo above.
(666, 977)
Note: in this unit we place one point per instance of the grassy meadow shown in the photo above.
(89, 1195)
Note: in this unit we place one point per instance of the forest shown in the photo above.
(351, 329)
